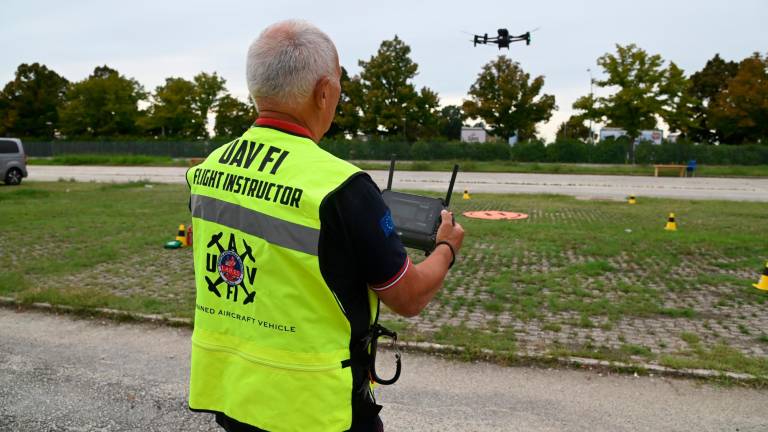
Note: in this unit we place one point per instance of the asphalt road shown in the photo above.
(582, 186)
(59, 373)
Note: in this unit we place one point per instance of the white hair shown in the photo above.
(287, 59)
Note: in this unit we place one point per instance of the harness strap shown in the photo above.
(371, 339)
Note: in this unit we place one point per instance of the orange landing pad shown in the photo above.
(495, 215)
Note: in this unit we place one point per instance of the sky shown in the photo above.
(153, 40)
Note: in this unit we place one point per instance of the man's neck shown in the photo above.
(279, 115)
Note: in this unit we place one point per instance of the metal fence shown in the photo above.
(175, 149)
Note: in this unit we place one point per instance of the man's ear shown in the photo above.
(321, 93)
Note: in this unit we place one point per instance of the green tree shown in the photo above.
(678, 103)
(740, 112)
(29, 104)
(104, 104)
(233, 117)
(391, 106)
(573, 128)
(451, 120)
(208, 91)
(173, 113)
(638, 77)
(424, 116)
(706, 85)
(508, 100)
(348, 111)
(589, 109)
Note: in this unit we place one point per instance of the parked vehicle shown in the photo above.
(13, 161)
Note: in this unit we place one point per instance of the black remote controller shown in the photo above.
(416, 217)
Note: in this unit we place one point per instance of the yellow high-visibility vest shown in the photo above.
(271, 341)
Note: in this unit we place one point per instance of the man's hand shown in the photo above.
(422, 281)
(450, 231)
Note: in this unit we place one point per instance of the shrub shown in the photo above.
(570, 150)
(529, 151)
(611, 151)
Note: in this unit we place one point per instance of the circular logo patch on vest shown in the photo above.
(231, 267)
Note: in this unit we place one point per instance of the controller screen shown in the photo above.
(410, 214)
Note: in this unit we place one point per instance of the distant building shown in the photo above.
(473, 135)
(653, 135)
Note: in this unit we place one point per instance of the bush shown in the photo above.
(570, 150)
(374, 149)
(167, 148)
(682, 151)
(529, 151)
(421, 151)
(747, 154)
(487, 151)
(610, 151)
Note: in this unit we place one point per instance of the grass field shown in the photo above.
(592, 278)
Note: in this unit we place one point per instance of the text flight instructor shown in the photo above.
(293, 249)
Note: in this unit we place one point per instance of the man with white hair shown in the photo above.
(293, 250)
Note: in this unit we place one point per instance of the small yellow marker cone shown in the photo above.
(763, 283)
(181, 237)
(632, 199)
(466, 194)
(671, 224)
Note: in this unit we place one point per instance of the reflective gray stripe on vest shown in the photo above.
(274, 230)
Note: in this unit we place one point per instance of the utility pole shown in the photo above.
(592, 105)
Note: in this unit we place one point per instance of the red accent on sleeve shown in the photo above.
(394, 280)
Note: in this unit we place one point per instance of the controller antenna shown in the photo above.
(450, 185)
(391, 172)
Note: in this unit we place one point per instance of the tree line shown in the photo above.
(40, 103)
(725, 102)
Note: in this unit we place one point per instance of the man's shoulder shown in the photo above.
(358, 186)
(355, 199)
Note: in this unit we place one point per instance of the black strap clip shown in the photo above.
(375, 333)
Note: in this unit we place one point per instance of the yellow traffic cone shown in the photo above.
(671, 224)
(763, 283)
(632, 199)
(466, 194)
(181, 237)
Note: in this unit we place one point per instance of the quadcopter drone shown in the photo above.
(503, 39)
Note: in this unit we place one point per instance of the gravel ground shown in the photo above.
(59, 373)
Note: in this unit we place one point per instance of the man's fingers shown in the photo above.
(446, 216)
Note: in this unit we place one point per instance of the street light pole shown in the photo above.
(592, 103)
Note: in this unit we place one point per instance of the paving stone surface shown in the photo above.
(704, 298)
